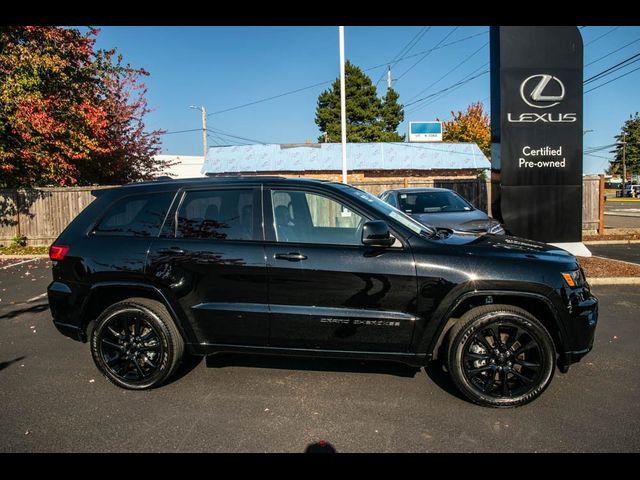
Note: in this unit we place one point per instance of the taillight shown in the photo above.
(57, 252)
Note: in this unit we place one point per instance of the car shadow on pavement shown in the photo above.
(8, 363)
(222, 360)
(21, 308)
(189, 362)
(442, 379)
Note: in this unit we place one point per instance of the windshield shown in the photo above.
(432, 202)
(389, 211)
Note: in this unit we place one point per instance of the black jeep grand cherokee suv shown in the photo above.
(303, 267)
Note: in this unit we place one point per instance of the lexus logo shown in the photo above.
(533, 89)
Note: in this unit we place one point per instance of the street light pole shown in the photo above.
(343, 107)
(204, 130)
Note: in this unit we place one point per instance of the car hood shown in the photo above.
(469, 221)
(506, 246)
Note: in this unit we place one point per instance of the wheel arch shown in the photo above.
(536, 304)
(103, 294)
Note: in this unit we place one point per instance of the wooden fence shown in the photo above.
(591, 203)
(41, 214)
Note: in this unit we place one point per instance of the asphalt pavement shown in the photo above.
(54, 400)
(628, 252)
(622, 214)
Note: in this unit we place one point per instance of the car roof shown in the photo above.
(205, 182)
(419, 190)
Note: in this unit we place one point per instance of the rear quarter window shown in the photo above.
(136, 215)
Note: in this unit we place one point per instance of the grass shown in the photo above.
(20, 250)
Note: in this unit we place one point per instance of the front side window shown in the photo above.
(305, 217)
(224, 214)
(136, 215)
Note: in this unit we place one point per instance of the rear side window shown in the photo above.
(136, 215)
(225, 214)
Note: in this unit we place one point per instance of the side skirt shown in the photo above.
(412, 359)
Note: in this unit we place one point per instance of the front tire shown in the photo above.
(501, 356)
(135, 344)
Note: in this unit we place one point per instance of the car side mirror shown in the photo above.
(376, 234)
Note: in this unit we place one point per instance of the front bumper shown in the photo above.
(580, 326)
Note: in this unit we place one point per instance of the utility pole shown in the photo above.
(204, 130)
(624, 160)
(388, 78)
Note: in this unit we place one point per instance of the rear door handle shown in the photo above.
(292, 256)
(172, 251)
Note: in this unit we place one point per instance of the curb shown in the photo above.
(610, 242)
(614, 281)
(35, 255)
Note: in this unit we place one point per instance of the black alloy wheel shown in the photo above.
(136, 344)
(501, 356)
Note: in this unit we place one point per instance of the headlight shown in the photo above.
(496, 228)
(574, 279)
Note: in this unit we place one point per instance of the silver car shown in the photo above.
(442, 208)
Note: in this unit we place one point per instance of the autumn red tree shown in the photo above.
(70, 114)
(473, 125)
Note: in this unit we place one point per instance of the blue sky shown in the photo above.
(225, 67)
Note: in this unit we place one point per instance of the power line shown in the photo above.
(613, 68)
(603, 35)
(427, 54)
(406, 49)
(450, 87)
(598, 148)
(443, 94)
(612, 52)
(444, 45)
(269, 98)
(612, 80)
(183, 131)
(467, 78)
(291, 92)
(597, 156)
(227, 134)
(450, 71)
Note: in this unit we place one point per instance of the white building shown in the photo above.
(186, 166)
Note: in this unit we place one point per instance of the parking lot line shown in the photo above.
(19, 263)
(37, 297)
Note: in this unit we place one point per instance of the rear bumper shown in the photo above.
(65, 311)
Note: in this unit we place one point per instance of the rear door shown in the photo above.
(211, 256)
(326, 289)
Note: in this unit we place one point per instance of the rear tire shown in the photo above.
(500, 356)
(136, 344)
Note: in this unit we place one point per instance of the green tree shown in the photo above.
(70, 114)
(473, 125)
(392, 116)
(629, 133)
(369, 119)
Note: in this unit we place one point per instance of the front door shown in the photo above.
(326, 289)
(211, 256)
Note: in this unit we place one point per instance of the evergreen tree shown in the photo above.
(368, 118)
(630, 133)
(392, 116)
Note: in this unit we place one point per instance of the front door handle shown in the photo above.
(292, 256)
(171, 251)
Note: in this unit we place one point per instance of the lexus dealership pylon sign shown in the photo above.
(536, 131)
